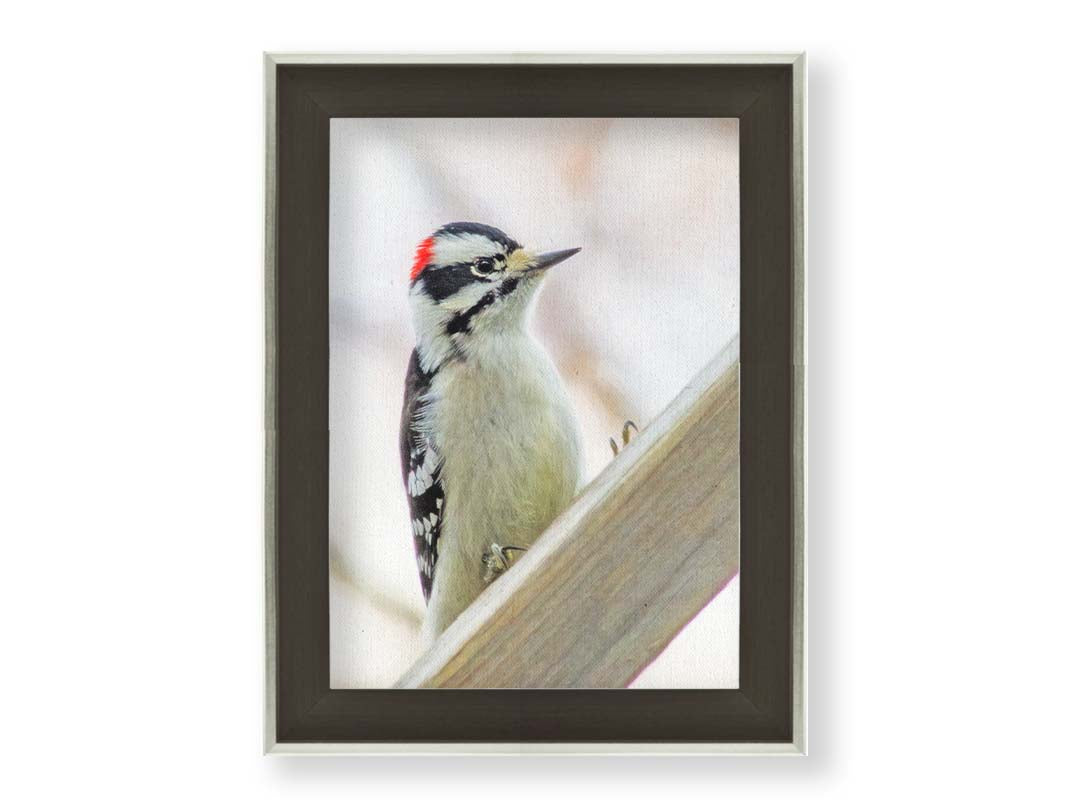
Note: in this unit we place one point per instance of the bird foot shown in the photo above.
(497, 560)
(626, 436)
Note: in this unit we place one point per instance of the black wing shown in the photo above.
(421, 465)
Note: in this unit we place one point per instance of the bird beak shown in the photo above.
(546, 260)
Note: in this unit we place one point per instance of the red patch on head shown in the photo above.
(423, 256)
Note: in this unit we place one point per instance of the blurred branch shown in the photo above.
(374, 595)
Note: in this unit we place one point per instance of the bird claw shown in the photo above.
(626, 436)
(497, 561)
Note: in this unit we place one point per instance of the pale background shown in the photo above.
(131, 336)
(652, 297)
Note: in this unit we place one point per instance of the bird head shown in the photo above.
(470, 281)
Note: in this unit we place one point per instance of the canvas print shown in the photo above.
(512, 302)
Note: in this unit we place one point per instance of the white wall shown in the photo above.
(131, 345)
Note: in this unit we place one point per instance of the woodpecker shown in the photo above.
(488, 442)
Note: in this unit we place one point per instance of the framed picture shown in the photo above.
(535, 379)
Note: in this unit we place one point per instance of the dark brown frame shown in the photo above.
(301, 706)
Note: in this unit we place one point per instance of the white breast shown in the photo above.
(507, 433)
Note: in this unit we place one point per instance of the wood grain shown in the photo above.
(604, 590)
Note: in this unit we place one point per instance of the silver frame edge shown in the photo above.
(270, 257)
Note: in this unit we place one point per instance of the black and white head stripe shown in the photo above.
(461, 321)
(455, 237)
(467, 278)
(452, 252)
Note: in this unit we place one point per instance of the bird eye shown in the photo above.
(483, 267)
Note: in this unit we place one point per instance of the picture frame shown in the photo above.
(766, 714)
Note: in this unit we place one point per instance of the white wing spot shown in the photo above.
(425, 566)
(418, 482)
(430, 461)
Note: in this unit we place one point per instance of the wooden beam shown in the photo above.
(637, 555)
